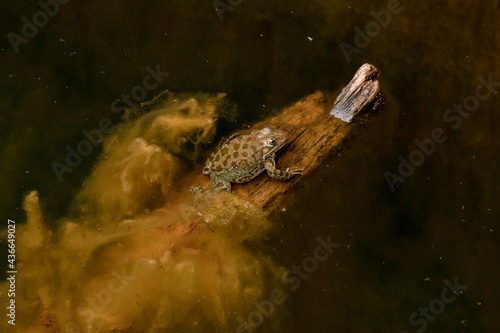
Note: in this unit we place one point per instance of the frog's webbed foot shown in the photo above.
(295, 171)
(220, 185)
(284, 174)
(197, 189)
(277, 174)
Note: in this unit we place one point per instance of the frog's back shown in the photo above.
(235, 158)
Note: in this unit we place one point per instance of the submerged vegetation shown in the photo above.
(134, 255)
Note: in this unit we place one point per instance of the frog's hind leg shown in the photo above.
(220, 184)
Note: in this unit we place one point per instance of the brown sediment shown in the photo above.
(181, 228)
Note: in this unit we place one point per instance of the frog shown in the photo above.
(242, 157)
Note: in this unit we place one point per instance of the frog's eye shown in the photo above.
(272, 142)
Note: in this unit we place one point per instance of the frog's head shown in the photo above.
(270, 139)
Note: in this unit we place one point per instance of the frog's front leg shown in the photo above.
(277, 174)
(219, 184)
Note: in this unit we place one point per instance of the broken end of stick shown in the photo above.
(362, 91)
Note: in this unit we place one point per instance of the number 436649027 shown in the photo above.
(11, 243)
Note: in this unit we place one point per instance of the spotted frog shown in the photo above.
(242, 157)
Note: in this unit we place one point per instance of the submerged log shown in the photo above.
(317, 126)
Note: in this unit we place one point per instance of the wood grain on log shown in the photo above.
(316, 128)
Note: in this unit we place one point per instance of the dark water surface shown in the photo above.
(397, 247)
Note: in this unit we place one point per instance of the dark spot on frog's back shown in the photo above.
(236, 146)
(236, 154)
(245, 146)
(244, 154)
(224, 151)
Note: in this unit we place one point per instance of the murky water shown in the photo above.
(402, 248)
